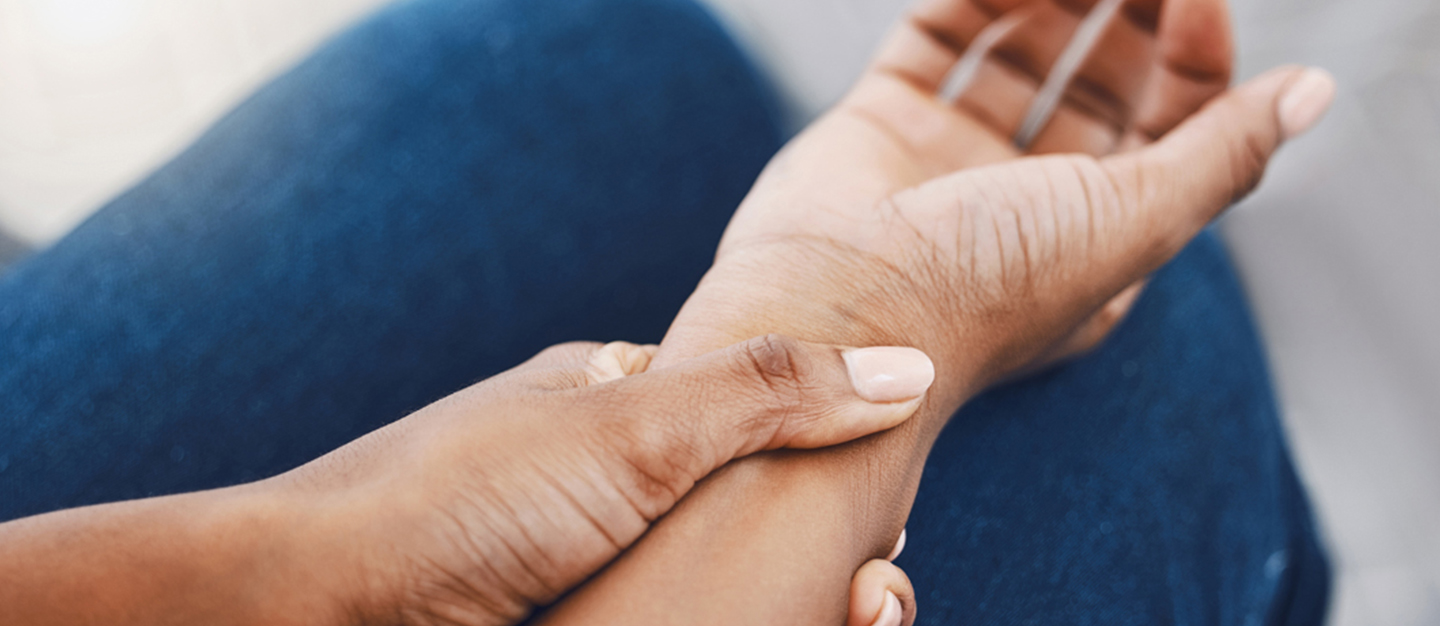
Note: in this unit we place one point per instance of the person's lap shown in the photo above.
(451, 186)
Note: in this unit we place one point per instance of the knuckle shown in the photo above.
(777, 369)
(776, 361)
(659, 460)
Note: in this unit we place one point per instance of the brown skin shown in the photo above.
(898, 220)
(472, 511)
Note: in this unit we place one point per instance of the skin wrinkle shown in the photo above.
(472, 545)
(462, 586)
(452, 609)
(1143, 14)
(621, 439)
(891, 214)
(906, 76)
(593, 480)
(654, 479)
(1029, 275)
(880, 294)
(1056, 243)
(1112, 109)
(615, 546)
(984, 116)
(525, 544)
(1194, 73)
(1102, 106)
(883, 127)
(590, 441)
(1091, 208)
(942, 36)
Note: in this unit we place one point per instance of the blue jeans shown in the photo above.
(452, 185)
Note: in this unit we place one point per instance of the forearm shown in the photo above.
(204, 558)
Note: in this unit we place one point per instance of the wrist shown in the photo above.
(296, 557)
(839, 297)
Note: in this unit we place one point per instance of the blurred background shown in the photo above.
(1340, 248)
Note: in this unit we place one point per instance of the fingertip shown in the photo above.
(617, 360)
(1305, 101)
(1196, 39)
(889, 374)
(899, 546)
(881, 594)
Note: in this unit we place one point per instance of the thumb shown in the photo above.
(881, 595)
(679, 423)
(1219, 155)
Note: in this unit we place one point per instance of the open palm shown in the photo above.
(899, 200)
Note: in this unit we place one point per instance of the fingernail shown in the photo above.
(899, 547)
(1306, 101)
(889, 374)
(890, 612)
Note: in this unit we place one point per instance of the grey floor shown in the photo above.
(1338, 248)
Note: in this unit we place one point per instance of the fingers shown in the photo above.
(581, 364)
(1099, 326)
(881, 595)
(1152, 65)
(1215, 157)
(926, 44)
(899, 546)
(679, 423)
(617, 360)
(1091, 332)
(1193, 63)
(1095, 105)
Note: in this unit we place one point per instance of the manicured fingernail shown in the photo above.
(891, 612)
(1306, 101)
(899, 547)
(889, 374)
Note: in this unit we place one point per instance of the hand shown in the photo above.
(500, 498)
(899, 219)
(473, 510)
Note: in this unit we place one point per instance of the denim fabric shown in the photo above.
(1147, 483)
(452, 185)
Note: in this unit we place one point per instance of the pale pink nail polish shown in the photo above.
(889, 374)
(1306, 101)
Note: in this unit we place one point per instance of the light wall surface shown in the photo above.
(95, 93)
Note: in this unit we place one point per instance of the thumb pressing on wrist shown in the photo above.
(682, 422)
